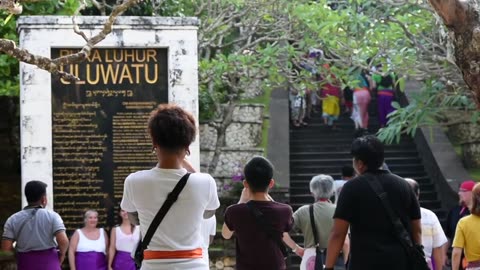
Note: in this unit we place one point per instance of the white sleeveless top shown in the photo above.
(126, 242)
(87, 245)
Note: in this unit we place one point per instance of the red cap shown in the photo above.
(467, 185)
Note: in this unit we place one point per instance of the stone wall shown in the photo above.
(252, 89)
(463, 131)
(242, 140)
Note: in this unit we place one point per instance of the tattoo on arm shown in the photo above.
(208, 214)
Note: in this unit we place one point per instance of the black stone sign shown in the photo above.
(99, 131)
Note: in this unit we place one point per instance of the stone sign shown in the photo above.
(99, 134)
(83, 138)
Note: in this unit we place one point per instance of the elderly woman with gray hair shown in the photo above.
(321, 188)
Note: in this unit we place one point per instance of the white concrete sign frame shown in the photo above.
(39, 34)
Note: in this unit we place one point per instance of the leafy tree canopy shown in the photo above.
(263, 43)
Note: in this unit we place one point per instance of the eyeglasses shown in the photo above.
(463, 190)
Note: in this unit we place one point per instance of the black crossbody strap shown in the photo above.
(401, 232)
(314, 227)
(171, 199)
(25, 222)
(267, 227)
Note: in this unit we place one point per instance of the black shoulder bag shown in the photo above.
(267, 228)
(171, 199)
(318, 251)
(415, 255)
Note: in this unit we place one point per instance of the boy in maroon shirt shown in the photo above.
(255, 248)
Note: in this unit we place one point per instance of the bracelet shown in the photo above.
(295, 249)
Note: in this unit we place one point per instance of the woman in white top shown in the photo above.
(177, 242)
(123, 240)
(88, 246)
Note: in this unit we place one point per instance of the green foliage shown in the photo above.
(53, 7)
(475, 173)
(425, 108)
(362, 30)
(405, 39)
(167, 8)
(207, 103)
(9, 67)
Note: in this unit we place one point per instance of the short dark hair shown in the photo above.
(360, 133)
(171, 127)
(258, 173)
(348, 171)
(369, 149)
(34, 190)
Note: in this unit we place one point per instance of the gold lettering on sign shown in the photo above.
(89, 74)
(126, 74)
(137, 71)
(99, 133)
(140, 56)
(95, 56)
(110, 73)
(78, 150)
(114, 66)
(155, 75)
(129, 146)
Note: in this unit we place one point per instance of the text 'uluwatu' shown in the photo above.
(115, 66)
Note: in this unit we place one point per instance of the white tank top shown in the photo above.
(86, 245)
(126, 242)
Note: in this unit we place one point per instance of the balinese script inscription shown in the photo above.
(100, 128)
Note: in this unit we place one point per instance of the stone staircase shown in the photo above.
(316, 149)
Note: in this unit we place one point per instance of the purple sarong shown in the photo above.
(123, 261)
(385, 100)
(90, 261)
(38, 260)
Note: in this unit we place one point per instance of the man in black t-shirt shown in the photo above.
(374, 245)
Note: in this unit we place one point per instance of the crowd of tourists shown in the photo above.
(369, 219)
(326, 94)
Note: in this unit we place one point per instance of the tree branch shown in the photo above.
(53, 65)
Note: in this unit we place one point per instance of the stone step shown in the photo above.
(316, 149)
(308, 176)
(304, 184)
(342, 140)
(428, 197)
(344, 149)
(299, 160)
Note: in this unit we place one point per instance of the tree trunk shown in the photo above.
(462, 18)
(221, 135)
